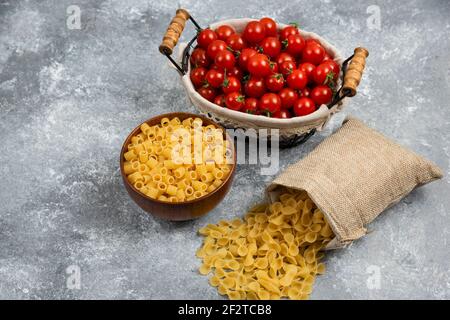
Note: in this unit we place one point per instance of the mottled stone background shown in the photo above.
(68, 98)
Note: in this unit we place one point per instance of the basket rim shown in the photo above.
(317, 119)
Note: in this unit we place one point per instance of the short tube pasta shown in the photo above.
(270, 254)
(154, 165)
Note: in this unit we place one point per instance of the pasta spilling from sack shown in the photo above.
(273, 253)
(178, 160)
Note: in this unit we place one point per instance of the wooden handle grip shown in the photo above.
(355, 71)
(173, 32)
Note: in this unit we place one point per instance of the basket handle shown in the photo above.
(174, 31)
(354, 72)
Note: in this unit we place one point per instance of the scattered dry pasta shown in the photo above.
(273, 253)
(177, 160)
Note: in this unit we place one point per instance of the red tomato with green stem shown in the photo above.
(231, 84)
(224, 31)
(288, 97)
(287, 67)
(274, 82)
(255, 87)
(234, 101)
(297, 79)
(220, 100)
(270, 26)
(254, 32)
(271, 46)
(251, 105)
(199, 58)
(323, 74)
(208, 93)
(270, 103)
(321, 95)
(214, 78)
(215, 47)
(225, 59)
(313, 53)
(259, 65)
(294, 44)
(205, 37)
(273, 67)
(303, 107)
(288, 31)
(245, 55)
(236, 42)
(334, 67)
(198, 76)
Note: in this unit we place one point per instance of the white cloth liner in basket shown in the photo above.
(287, 127)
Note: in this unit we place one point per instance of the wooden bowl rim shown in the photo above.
(170, 116)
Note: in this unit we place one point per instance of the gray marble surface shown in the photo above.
(68, 98)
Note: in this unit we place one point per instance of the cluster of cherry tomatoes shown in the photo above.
(263, 71)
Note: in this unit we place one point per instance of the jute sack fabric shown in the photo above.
(353, 176)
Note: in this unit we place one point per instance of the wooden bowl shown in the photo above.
(178, 211)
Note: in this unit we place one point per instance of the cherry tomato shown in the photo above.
(334, 67)
(321, 95)
(214, 78)
(225, 59)
(215, 67)
(220, 100)
(274, 82)
(308, 68)
(297, 79)
(288, 31)
(199, 58)
(323, 73)
(270, 103)
(234, 101)
(327, 57)
(231, 84)
(273, 67)
(245, 55)
(312, 41)
(208, 93)
(288, 97)
(271, 46)
(251, 105)
(235, 72)
(215, 47)
(305, 92)
(236, 42)
(223, 32)
(313, 53)
(198, 76)
(205, 37)
(287, 67)
(295, 44)
(304, 106)
(254, 32)
(255, 87)
(284, 57)
(259, 65)
(270, 26)
(282, 114)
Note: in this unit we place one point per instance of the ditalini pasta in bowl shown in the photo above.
(178, 166)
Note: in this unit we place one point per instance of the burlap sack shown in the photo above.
(354, 175)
